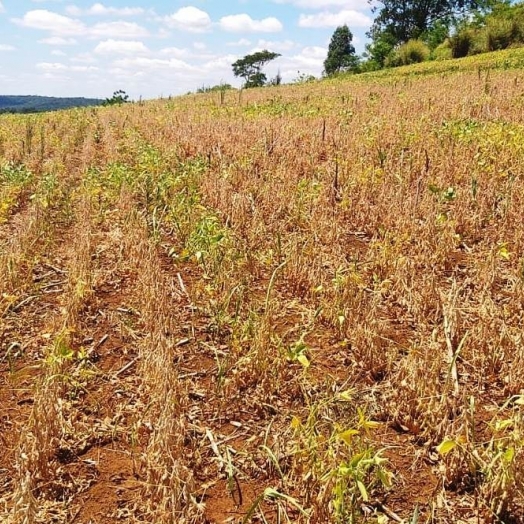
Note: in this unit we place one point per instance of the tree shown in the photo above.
(378, 50)
(403, 20)
(341, 52)
(250, 67)
(119, 97)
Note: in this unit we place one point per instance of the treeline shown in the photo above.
(36, 104)
(439, 30)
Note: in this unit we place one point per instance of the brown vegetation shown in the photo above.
(299, 304)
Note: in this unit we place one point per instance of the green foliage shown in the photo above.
(411, 19)
(378, 51)
(501, 29)
(14, 174)
(412, 52)
(13, 179)
(498, 60)
(503, 32)
(250, 67)
(436, 35)
(35, 104)
(341, 52)
(303, 78)
(215, 88)
(443, 51)
(119, 97)
(462, 43)
(256, 80)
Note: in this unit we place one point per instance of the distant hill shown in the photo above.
(32, 104)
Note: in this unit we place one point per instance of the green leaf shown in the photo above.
(504, 253)
(385, 477)
(346, 396)
(355, 461)
(446, 446)
(509, 455)
(370, 424)
(295, 422)
(347, 436)
(303, 360)
(501, 425)
(363, 491)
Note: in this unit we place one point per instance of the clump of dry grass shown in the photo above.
(168, 483)
(35, 461)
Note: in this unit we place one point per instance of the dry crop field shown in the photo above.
(300, 304)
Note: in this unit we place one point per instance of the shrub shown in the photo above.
(501, 30)
(462, 43)
(303, 78)
(500, 34)
(518, 21)
(443, 51)
(412, 52)
(369, 65)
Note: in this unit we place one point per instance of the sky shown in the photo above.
(162, 47)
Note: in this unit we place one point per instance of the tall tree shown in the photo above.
(250, 67)
(341, 52)
(406, 19)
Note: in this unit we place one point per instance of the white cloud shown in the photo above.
(163, 33)
(243, 23)
(58, 52)
(312, 55)
(51, 66)
(172, 73)
(83, 58)
(309, 61)
(2, 8)
(174, 52)
(276, 45)
(99, 9)
(326, 4)
(151, 64)
(121, 47)
(63, 26)
(220, 64)
(329, 19)
(189, 19)
(6, 47)
(83, 69)
(58, 40)
(53, 22)
(117, 30)
(243, 42)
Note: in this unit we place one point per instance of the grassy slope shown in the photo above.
(302, 303)
(507, 59)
